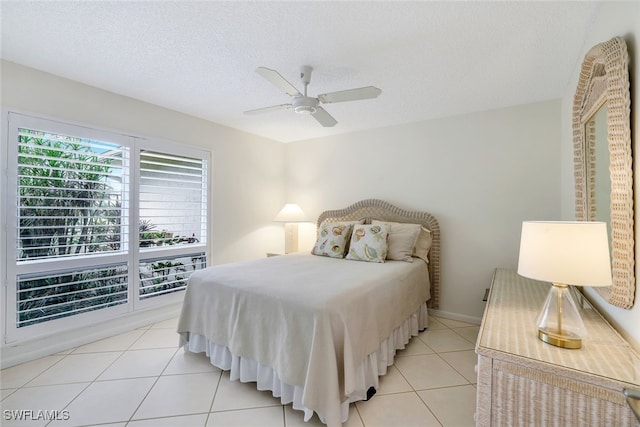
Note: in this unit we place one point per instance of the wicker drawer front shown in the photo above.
(522, 396)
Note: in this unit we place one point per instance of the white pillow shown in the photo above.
(369, 243)
(402, 240)
(333, 239)
(423, 244)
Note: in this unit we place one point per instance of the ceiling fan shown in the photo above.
(303, 104)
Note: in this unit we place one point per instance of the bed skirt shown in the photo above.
(366, 375)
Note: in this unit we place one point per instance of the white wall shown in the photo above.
(614, 19)
(480, 174)
(247, 182)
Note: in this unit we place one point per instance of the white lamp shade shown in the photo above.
(290, 213)
(571, 253)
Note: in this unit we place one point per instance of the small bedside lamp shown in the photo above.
(564, 253)
(290, 214)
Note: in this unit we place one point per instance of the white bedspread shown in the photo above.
(312, 319)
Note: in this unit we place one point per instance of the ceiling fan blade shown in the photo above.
(276, 79)
(324, 118)
(268, 109)
(350, 95)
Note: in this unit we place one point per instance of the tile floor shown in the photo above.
(140, 379)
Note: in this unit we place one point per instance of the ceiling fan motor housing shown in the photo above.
(305, 105)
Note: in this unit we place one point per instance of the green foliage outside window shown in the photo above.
(65, 200)
(68, 293)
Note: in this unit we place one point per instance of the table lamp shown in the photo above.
(290, 214)
(564, 253)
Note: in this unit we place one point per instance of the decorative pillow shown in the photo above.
(333, 239)
(369, 243)
(423, 244)
(402, 239)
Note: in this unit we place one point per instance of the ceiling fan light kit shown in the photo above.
(303, 104)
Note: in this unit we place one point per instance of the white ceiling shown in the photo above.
(431, 59)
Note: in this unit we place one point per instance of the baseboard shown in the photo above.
(455, 316)
(16, 354)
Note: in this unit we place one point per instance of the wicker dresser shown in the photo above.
(525, 382)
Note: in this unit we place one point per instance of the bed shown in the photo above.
(317, 331)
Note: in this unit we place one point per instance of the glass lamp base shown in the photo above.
(551, 336)
(559, 322)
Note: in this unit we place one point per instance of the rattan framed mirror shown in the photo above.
(604, 85)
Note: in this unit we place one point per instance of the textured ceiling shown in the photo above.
(431, 59)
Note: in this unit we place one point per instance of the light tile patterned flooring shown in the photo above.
(140, 379)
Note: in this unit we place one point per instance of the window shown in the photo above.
(98, 223)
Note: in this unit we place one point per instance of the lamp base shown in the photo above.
(559, 322)
(551, 336)
(290, 237)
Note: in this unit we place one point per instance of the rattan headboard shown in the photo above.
(378, 209)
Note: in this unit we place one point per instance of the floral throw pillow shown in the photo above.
(333, 239)
(369, 243)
